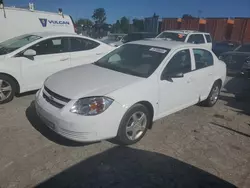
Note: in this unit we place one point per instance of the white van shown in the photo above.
(15, 22)
(195, 37)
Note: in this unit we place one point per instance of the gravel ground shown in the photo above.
(197, 147)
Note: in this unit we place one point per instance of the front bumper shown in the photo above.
(77, 127)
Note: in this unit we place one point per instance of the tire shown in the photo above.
(7, 89)
(131, 131)
(213, 95)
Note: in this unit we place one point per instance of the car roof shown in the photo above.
(186, 31)
(50, 34)
(163, 43)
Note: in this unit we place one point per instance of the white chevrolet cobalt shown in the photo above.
(26, 61)
(121, 94)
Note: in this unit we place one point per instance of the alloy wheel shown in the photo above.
(5, 90)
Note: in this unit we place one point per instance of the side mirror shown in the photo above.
(29, 53)
(168, 76)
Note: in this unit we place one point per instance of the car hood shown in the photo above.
(88, 80)
(2, 57)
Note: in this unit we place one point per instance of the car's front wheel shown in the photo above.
(134, 125)
(7, 89)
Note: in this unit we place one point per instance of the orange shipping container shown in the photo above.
(169, 24)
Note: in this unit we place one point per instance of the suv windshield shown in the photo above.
(243, 48)
(134, 59)
(172, 36)
(13, 44)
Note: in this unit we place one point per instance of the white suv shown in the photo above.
(195, 37)
(26, 61)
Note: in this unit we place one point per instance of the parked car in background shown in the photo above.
(15, 22)
(195, 37)
(113, 39)
(121, 94)
(238, 60)
(137, 36)
(26, 61)
(224, 46)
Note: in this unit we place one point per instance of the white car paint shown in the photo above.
(30, 73)
(21, 21)
(190, 33)
(166, 97)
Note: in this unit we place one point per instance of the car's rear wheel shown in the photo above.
(213, 95)
(7, 89)
(134, 125)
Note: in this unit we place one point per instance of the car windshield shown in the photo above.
(13, 44)
(134, 59)
(243, 48)
(172, 36)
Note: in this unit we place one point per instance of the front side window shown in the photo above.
(180, 63)
(81, 44)
(172, 36)
(134, 59)
(196, 39)
(51, 46)
(203, 58)
(13, 44)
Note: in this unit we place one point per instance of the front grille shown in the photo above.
(54, 99)
(52, 102)
(59, 97)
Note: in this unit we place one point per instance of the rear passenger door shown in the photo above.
(84, 51)
(203, 74)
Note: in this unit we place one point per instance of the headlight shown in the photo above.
(91, 106)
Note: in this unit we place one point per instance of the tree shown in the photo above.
(99, 15)
(138, 24)
(124, 24)
(116, 28)
(84, 22)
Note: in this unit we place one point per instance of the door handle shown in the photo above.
(210, 74)
(64, 59)
(98, 53)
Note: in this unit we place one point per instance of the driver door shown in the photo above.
(178, 92)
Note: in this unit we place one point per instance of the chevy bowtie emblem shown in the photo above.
(51, 98)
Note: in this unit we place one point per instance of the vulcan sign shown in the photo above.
(45, 22)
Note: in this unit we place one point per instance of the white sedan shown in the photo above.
(121, 94)
(26, 61)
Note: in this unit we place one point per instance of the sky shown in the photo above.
(115, 9)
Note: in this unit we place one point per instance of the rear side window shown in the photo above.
(196, 39)
(208, 38)
(52, 46)
(203, 58)
(80, 44)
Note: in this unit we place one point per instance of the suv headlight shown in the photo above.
(91, 106)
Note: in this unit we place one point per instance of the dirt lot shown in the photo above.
(197, 147)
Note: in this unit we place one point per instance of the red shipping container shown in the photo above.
(169, 24)
(217, 28)
(190, 24)
(246, 37)
(239, 28)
